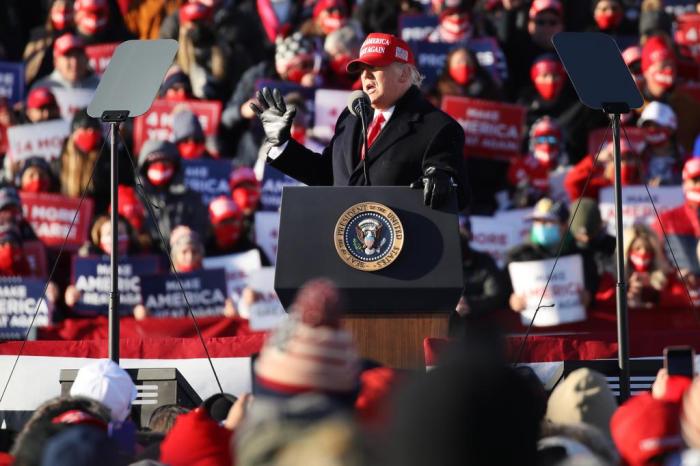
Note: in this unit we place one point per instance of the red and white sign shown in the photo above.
(635, 134)
(497, 234)
(329, 105)
(71, 100)
(157, 123)
(636, 207)
(42, 139)
(491, 129)
(238, 268)
(51, 216)
(99, 56)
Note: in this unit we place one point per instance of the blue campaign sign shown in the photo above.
(490, 56)
(208, 177)
(91, 276)
(272, 184)
(12, 81)
(416, 27)
(205, 290)
(430, 59)
(19, 298)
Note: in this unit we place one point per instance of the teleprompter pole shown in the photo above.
(113, 256)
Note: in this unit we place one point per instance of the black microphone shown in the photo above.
(360, 106)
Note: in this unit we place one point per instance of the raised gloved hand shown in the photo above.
(275, 116)
(436, 186)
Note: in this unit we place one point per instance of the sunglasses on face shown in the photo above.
(546, 140)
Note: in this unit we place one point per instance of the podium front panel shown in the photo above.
(425, 277)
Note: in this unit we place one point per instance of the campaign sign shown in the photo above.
(430, 59)
(12, 81)
(99, 56)
(51, 216)
(636, 207)
(267, 227)
(92, 277)
(497, 234)
(43, 139)
(35, 252)
(634, 133)
(416, 27)
(208, 177)
(491, 129)
(272, 184)
(490, 56)
(205, 291)
(266, 312)
(562, 297)
(157, 122)
(19, 298)
(330, 103)
(237, 267)
(679, 7)
(71, 100)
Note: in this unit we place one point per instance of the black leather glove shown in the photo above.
(436, 185)
(275, 116)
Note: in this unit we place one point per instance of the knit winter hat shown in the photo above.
(196, 440)
(292, 46)
(153, 150)
(186, 125)
(9, 197)
(583, 396)
(106, 382)
(644, 428)
(81, 119)
(310, 352)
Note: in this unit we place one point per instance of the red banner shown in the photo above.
(635, 134)
(157, 122)
(99, 56)
(51, 216)
(491, 129)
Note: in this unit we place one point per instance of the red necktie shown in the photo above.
(374, 128)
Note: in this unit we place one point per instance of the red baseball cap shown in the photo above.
(222, 208)
(538, 6)
(93, 6)
(194, 11)
(66, 43)
(655, 50)
(382, 50)
(644, 428)
(40, 97)
(691, 169)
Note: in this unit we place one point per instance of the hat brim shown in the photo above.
(355, 66)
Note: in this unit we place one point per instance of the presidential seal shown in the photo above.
(369, 236)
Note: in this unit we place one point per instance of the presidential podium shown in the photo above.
(398, 263)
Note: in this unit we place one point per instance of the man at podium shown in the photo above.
(410, 142)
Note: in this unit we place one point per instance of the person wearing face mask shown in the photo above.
(632, 56)
(11, 213)
(646, 269)
(245, 190)
(463, 76)
(662, 154)
(549, 229)
(228, 230)
(552, 94)
(71, 68)
(455, 25)
(632, 171)
(97, 23)
(188, 136)
(327, 16)
(609, 18)
(659, 68)
(175, 204)
(100, 242)
(35, 176)
(529, 176)
(176, 86)
(37, 56)
(13, 261)
(295, 60)
(41, 106)
(340, 47)
(682, 223)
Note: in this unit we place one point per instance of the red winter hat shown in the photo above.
(196, 440)
(222, 208)
(66, 43)
(644, 428)
(382, 50)
(194, 11)
(655, 50)
(322, 5)
(538, 6)
(243, 175)
(691, 169)
(92, 6)
(41, 97)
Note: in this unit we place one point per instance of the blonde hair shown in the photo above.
(660, 266)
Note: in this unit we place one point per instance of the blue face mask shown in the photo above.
(545, 234)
